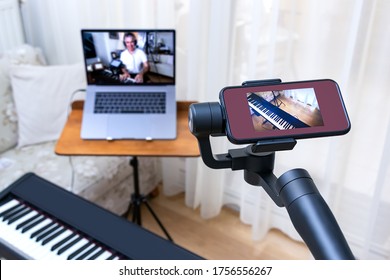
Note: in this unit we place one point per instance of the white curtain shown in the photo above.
(225, 42)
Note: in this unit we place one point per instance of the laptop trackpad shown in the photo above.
(120, 127)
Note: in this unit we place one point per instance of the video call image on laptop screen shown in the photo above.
(117, 57)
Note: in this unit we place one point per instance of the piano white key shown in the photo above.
(18, 208)
(52, 254)
(6, 233)
(48, 232)
(12, 237)
(73, 253)
(35, 233)
(16, 231)
(24, 218)
(79, 251)
(28, 222)
(8, 205)
(104, 256)
(33, 224)
(60, 230)
(19, 215)
(96, 254)
(88, 252)
(24, 241)
(71, 240)
(59, 238)
(68, 243)
(40, 251)
(11, 228)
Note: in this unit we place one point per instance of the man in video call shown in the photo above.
(134, 59)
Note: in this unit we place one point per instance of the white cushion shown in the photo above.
(24, 54)
(42, 96)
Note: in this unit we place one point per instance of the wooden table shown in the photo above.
(185, 145)
(70, 143)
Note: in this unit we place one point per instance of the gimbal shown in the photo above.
(295, 189)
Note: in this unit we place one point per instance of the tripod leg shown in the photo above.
(135, 198)
(137, 210)
(158, 221)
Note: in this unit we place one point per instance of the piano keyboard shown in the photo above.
(277, 117)
(39, 220)
(109, 76)
(44, 237)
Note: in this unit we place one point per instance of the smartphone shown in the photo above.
(297, 110)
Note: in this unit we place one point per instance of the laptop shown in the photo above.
(131, 92)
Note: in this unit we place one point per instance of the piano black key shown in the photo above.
(47, 232)
(54, 235)
(8, 210)
(111, 257)
(63, 241)
(39, 231)
(78, 251)
(30, 226)
(14, 212)
(97, 254)
(31, 220)
(25, 218)
(69, 245)
(20, 215)
(47, 247)
(87, 253)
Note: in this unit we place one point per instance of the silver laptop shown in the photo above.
(131, 90)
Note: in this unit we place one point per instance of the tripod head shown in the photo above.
(294, 190)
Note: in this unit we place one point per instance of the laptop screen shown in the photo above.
(129, 57)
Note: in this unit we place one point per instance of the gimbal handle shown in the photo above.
(308, 211)
(311, 216)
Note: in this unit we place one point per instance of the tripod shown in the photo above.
(137, 199)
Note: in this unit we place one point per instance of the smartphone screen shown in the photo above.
(297, 110)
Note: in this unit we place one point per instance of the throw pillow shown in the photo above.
(42, 97)
(24, 54)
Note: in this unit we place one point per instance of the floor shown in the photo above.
(221, 238)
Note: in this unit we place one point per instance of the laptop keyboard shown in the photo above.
(130, 102)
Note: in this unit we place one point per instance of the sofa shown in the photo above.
(35, 100)
(163, 65)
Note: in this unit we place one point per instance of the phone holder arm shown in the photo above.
(205, 120)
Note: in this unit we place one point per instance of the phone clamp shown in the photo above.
(254, 83)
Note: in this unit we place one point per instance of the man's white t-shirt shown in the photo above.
(133, 61)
